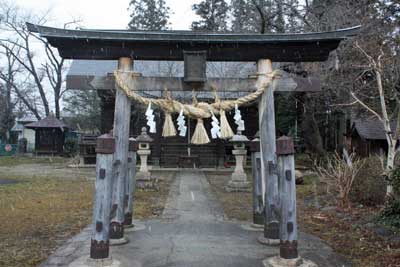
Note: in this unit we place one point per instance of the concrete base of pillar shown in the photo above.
(252, 227)
(267, 241)
(102, 262)
(128, 226)
(134, 227)
(85, 262)
(118, 242)
(280, 262)
(258, 226)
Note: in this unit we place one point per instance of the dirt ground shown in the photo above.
(344, 230)
(43, 203)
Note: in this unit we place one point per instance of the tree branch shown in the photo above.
(365, 106)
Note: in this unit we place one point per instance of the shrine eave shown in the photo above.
(169, 45)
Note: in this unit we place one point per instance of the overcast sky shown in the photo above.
(106, 14)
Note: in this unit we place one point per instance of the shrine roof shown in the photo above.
(169, 45)
(48, 122)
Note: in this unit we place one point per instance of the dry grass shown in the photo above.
(342, 230)
(237, 206)
(338, 229)
(40, 213)
(18, 160)
(150, 203)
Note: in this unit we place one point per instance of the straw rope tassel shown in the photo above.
(200, 136)
(226, 130)
(169, 127)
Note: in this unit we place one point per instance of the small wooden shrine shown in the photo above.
(49, 135)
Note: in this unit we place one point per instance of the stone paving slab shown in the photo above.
(192, 233)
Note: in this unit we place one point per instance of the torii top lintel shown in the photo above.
(169, 45)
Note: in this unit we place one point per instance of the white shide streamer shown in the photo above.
(181, 124)
(238, 119)
(216, 129)
(150, 119)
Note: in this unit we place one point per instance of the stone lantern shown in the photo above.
(143, 177)
(238, 180)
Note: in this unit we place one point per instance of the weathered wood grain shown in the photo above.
(268, 150)
(288, 83)
(130, 185)
(287, 187)
(121, 134)
(99, 248)
(258, 206)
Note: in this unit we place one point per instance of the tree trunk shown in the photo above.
(57, 106)
(311, 133)
(390, 166)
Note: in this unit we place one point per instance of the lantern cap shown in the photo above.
(239, 138)
(144, 137)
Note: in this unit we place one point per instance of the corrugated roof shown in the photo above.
(372, 128)
(48, 122)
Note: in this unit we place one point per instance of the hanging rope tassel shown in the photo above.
(200, 136)
(169, 127)
(226, 130)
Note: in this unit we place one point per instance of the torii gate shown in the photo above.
(277, 156)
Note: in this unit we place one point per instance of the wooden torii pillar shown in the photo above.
(120, 169)
(268, 155)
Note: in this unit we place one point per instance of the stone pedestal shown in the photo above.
(280, 262)
(143, 177)
(238, 182)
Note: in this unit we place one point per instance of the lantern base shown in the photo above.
(143, 176)
(277, 261)
(238, 184)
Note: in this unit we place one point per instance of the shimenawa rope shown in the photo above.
(198, 110)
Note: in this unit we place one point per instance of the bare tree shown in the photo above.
(7, 116)
(19, 43)
(9, 76)
(376, 68)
